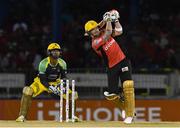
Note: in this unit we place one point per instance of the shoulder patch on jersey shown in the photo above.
(43, 65)
(62, 63)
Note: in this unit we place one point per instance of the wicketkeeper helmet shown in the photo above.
(53, 46)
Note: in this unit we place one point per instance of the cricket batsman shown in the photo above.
(118, 65)
(51, 70)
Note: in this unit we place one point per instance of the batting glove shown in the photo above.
(107, 17)
(114, 14)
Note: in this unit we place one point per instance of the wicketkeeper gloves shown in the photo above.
(54, 89)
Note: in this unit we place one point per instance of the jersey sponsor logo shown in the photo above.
(125, 69)
(52, 76)
(109, 45)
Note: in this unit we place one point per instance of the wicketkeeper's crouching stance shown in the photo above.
(117, 63)
(51, 70)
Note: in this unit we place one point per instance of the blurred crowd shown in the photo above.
(150, 40)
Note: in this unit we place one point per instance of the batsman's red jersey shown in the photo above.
(109, 50)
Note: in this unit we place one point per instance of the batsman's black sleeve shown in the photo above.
(44, 80)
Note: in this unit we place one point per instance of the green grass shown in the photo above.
(56, 124)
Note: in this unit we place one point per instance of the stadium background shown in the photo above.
(151, 38)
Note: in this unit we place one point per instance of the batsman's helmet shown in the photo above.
(91, 24)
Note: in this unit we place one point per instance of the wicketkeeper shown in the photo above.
(117, 63)
(51, 70)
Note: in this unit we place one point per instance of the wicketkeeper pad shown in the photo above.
(26, 100)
